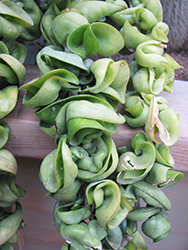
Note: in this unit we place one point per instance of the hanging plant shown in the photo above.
(97, 186)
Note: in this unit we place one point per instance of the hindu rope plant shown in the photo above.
(15, 22)
(97, 186)
(12, 76)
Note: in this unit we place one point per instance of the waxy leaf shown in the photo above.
(152, 195)
(8, 162)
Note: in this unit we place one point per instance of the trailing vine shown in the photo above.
(97, 186)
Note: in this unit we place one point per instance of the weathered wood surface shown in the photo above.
(27, 140)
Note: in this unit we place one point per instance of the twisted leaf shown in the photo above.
(9, 191)
(132, 36)
(46, 24)
(55, 113)
(92, 112)
(163, 176)
(115, 237)
(146, 81)
(145, 18)
(52, 57)
(126, 15)
(160, 32)
(12, 70)
(95, 157)
(10, 224)
(111, 78)
(110, 210)
(8, 162)
(137, 243)
(17, 50)
(14, 18)
(65, 23)
(142, 213)
(31, 8)
(96, 10)
(8, 100)
(150, 54)
(4, 133)
(133, 167)
(72, 213)
(45, 89)
(152, 195)
(136, 110)
(69, 194)
(81, 236)
(157, 227)
(58, 169)
(155, 7)
(163, 155)
(98, 37)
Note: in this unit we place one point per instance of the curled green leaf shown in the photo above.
(12, 70)
(111, 78)
(152, 195)
(133, 167)
(82, 235)
(65, 23)
(115, 237)
(136, 110)
(14, 18)
(125, 15)
(109, 208)
(8, 162)
(9, 191)
(33, 10)
(46, 24)
(137, 242)
(145, 18)
(155, 7)
(55, 115)
(58, 169)
(142, 213)
(160, 32)
(45, 89)
(150, 54)
(96, 10)
(146, 80)
(72, 213)
(8, 100)
(17, 50)
(156, 227)
(95, 157)
(132, 36)
(68, 194)
(98, 37)
(96, 114)
(10, 224)
(163, 155)
(53, 57)
(163, 176)
(4, 133)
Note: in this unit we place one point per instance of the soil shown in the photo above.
(182, 59)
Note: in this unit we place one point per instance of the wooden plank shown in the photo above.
(27, 140)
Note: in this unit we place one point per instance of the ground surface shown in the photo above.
(182, 59)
